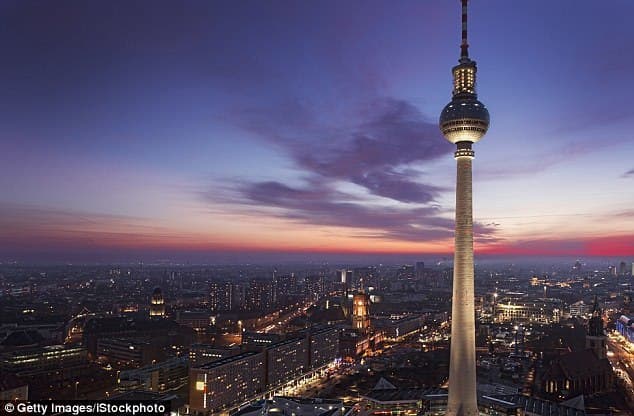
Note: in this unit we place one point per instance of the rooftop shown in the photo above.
(228, 360)
(541, 407)
(392, 395)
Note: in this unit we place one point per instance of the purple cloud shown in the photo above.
(391, 134)
(376, 153)
(628, 173)
(397, 186)
(323, 206)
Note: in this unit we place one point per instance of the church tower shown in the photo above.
(596, 338)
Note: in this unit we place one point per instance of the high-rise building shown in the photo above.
(625, 326)
(157, 303)
(258, 296)
(239, 296)
(345, 277)
(463, 121)
(221, 296)
(219, 384)
(324, 346)
(314, 287)
(198, 319)
(285, 288)
(128, 352)
(54, 362)
(420, 269)
(166, 375)
(200, 354)
(622, 268)
(285, 360)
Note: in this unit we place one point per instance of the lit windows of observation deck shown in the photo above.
(464, 80)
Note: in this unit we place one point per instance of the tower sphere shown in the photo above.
(464, 120)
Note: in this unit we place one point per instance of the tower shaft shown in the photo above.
(462, 365)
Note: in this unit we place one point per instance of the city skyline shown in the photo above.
(218, 131)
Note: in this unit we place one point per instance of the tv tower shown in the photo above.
(463, 122)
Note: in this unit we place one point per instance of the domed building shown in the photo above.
(157, 303)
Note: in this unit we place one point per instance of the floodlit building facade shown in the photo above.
(220, 384)
(285, 360)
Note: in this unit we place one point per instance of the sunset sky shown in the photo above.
(237, 130)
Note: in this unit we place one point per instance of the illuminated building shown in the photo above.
(285, 289)
(625, 326)
(54, 362)
(257, 340)
(463, 121)
(128, 352)
(580, 309)
(200, 354)
(353, 345)
(285, 360)
(220, 384)
(324, 347)
(388, 400)
(157, 303)
(197, 319)
(258, 296)
(361, 312)
(221, 296)
(163, 332)
(164, 376)
(314, 287)
(345, 277)
(520, 311)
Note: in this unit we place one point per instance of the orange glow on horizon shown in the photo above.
(603, 246)
(77, 233)
(620, 245)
